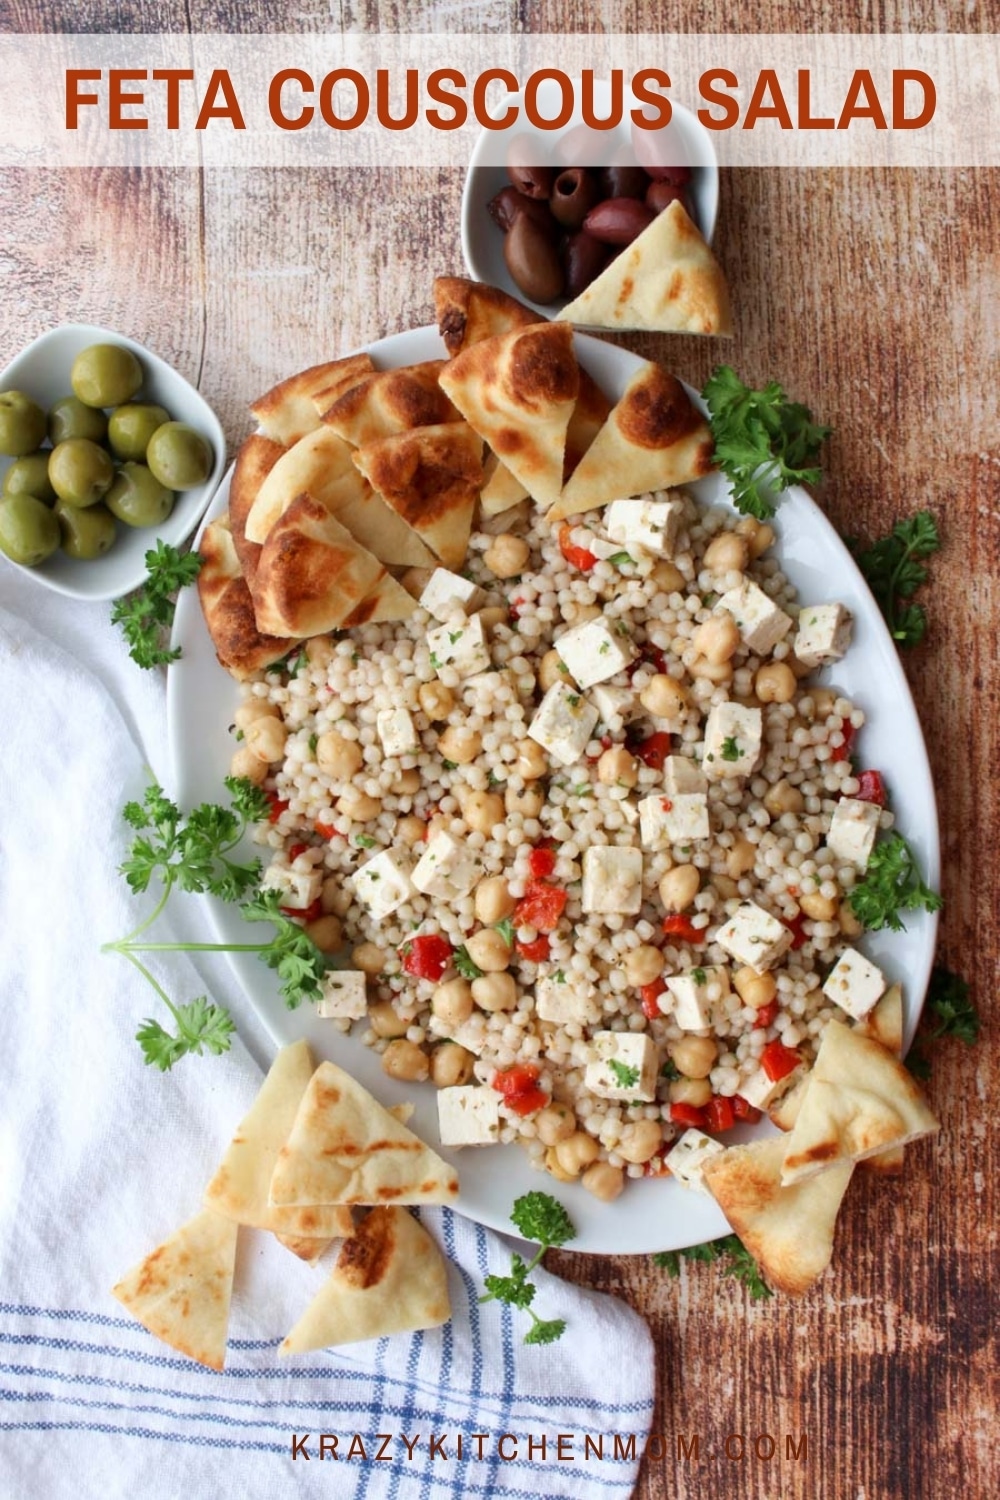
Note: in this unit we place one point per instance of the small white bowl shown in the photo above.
(684, 142)
(42, 372)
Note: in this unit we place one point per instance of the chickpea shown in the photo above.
(495, 992)
(529, 801)
(494, 614)
(452, 1001)
(384, 1021)
(326, 932)
(358, 806)
(576, 1152)
(405, 1060)
(783, 798)
(320, 650)
(679, 886)
(407, 783)
(488, 951)
(483, 811)
(696, 1091)
(616, 767)
(337, 756)
(824, 700)
(266, 738)
(554, 1169)
(252, 709)
(639, 1141)
(552, 669)
(643, 964)
(849, 924)
(493, 901)
(451, 1065)
(695, 1055)
(717, 639)
(758, 536)
(555, 1123)
(719, 672)
(459, 745)
(775, 683)
(585, 612)
(727, 553)
(669, 578)
(741, 858)
(369, 958)
(727, 888)
(245, 763)
(755, 990)
(604, 1181)
(436, 700)
(410, 830)
(506, 555)
(532, 761)
(820, 908)
(664, 696)
(333, 898)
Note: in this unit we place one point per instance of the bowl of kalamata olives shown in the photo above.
(545, 211)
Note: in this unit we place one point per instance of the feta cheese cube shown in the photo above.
(563, 998)
(397, 732)
(615, 702)
(612, 879)
(446, 868)
(648, 524)
(445, 590)
(297, 889)
(345, 995)
(682, 775)
(760, 1090)
(852, 831)
(688, 1157)
(824, 634)
(563, 723)
(593, 652)
(468, 1115)
(854, 983)
(732, 741)
(624, 1065)
(693, 994)
(753, 937)
(461, 645)
(665, 821)
(383, 884)
(760, 622)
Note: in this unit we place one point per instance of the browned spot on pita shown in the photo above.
(543, 370)
(227, 605)
(627, 288)
(365, 1258)
(660, 413)
(256, 459)
(470, 311)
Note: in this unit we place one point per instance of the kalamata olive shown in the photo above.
(533, 261)
(617, 221)
(574, 194)
(679, 176)
(584, 259)
(533, 182)
(623, 182)
(508, 203)
(662, 193)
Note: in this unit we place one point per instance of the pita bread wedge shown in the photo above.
(182, 1290)
(391, 402)
(885, 1024)
(860, 1101)
(312, 574)
(388, 600)
(785, 1110)
(500, 489)
(390, 1278)
(287, 411)
(667, 280)
(518, 391)
(306, 1247)
(345, 1148)
(788, 1230)
(590, 413)
(256, 458)
(653, 439)
(227, 605)
(431, 478)
(470, 311)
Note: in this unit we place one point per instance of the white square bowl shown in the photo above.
(42, 372)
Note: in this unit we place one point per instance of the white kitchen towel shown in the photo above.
(102, 1157)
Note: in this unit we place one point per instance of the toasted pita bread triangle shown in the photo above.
(388, 600)
(320, 464)
(391, 402)
(860, 1100)
(312, 574)
(431, 478)
(518, 391)
(590, 413)
(885, 1024)
(667, 280)
(785, 1110)
(228, 607)
(470, 311)
(255, 460)
(287, 411)
(306, 1247)
(500, 489)
(788, 1230)
(653, 439)
(390, 1278)
(182, 1290)
(345, 1148)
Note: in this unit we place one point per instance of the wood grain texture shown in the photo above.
(875, 297)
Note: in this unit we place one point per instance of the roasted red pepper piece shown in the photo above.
(796, 926)
(654, 750)
(295, 851)
(277, 806)
(744, 1111)
(325, 830)
(536, 952)
(519, 1087)
(426, 957)
(541, 862)
(842, 752)
(577, 557)
(766, 1016)
(688, 1115)
(719, 1114)
(871, 788)
(310, 913)
(778, 1061)
(541, 906)
(650, 994)
(682, 928)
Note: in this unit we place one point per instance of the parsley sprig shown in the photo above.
(894, 570)
(763, 441)
(543, 1219)
(147, 615)
(892, 884)
(735, 1259)
(949, 1012)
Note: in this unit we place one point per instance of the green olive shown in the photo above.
(179, 456)
(29, 531)
(86, 534)
(22, 424)
(131, 428)
(105, 375)
(69, 418)
(30, 476)
(138, 498)
(80, 472)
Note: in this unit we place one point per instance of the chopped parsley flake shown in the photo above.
(730, 748)
(699, 976)
(625, 1074)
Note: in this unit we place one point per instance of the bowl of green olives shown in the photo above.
(104, 450)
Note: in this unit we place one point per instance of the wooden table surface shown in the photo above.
(875, 297)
